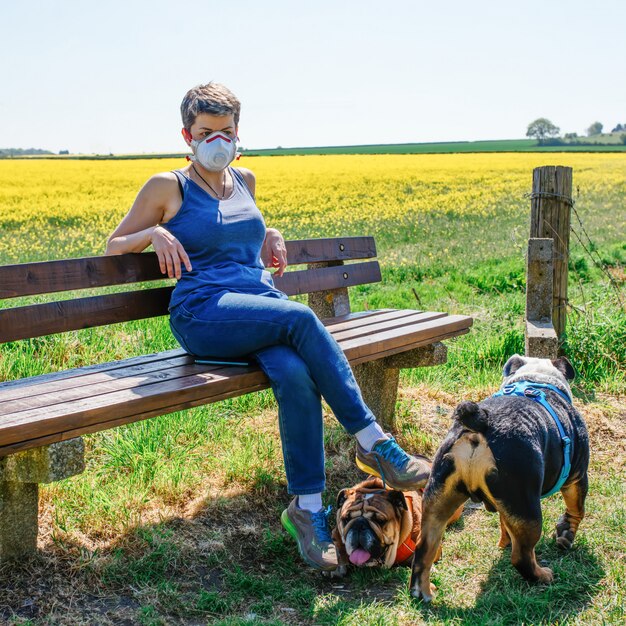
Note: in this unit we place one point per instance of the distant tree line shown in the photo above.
(10, 152)
(548, 134)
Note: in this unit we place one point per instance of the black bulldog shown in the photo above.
(525, 442)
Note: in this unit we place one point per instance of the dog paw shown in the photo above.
(563, 534)
(504, 542)
(419, 594)
(544, 575)
(565, 541)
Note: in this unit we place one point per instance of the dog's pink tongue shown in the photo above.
(359, 556)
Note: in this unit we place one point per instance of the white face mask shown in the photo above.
(215, 151)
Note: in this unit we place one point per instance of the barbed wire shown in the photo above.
(548, 194)
(598, 262)
(591, 247)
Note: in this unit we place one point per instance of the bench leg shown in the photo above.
(379, 387)
(379, 380)
(18, 519)
(20, 475)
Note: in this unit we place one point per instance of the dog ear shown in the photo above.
(398, 500)
(512, 365)
(341, 498)
(565, 367)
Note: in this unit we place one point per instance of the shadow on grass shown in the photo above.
(231, 563)
(503, 598)
(506, 598)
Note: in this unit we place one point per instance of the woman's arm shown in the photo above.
(133, 242)
(134, 232)
(274, 252)
(140, 227)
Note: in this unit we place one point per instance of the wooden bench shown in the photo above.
(43, 417)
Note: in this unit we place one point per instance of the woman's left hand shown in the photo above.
(274, 251)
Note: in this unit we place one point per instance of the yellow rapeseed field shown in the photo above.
(62, 208)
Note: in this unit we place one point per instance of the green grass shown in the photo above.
(176, 519)
(226, 560)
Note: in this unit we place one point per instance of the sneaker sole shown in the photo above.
(366, 468)
(370, 470)
(289, 526)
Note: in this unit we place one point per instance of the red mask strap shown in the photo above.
(186, 134)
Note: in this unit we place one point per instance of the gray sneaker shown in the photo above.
(389, 461)
(311, 532)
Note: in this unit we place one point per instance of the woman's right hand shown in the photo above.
(169, 251)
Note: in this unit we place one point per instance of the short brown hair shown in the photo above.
(212, 98)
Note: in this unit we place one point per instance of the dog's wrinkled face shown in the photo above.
(371, 520)
(557, 372)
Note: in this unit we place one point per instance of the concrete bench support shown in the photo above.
(379, 380)
(331, 303)
(20, 475)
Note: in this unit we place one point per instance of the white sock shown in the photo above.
(311, 502)
(369, 435)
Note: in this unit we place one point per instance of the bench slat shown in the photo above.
(84, 370)
(417, 344)
(55, 381)
(387, 341)
(386, 325)
(127, 419)
(98, 388)
(373, 314)
(27, 279)
(26, 428)
(35, 320)
(330, 249)
(67, 389)
(326, 278)
(42, 393)
(87, 411)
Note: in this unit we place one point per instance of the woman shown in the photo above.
(207, 231)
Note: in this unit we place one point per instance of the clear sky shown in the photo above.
(108, 76)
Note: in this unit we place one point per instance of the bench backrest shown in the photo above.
(325, 271)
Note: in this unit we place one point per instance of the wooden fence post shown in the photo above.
(551, 208)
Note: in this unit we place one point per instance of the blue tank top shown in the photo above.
(223, 239)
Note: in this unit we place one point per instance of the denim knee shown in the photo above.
(303, 320)
(286, 369)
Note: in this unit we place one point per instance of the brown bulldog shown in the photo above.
(377, 527)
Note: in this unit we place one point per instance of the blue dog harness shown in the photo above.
(533, 391)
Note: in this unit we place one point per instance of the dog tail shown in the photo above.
(471, 416)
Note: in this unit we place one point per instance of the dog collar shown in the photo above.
(533, 391)
(406, 549)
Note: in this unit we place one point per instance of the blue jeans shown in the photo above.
(299, 356)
